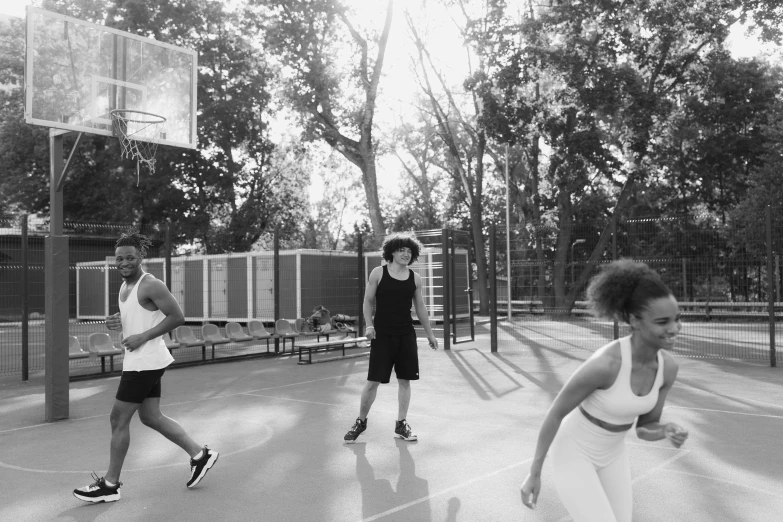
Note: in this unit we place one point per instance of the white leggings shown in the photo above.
(591, 471)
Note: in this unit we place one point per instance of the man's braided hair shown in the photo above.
(134, 239)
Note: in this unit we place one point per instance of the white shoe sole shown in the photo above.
(409, 439)
(211, 462)
(98, 500)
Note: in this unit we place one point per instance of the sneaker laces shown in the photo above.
(99, 482)
(357, 425)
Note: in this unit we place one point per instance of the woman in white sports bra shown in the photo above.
(625, 381)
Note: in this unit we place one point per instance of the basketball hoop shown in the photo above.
(138, 133)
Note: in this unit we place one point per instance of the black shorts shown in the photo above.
(398, 351)
(137, 386)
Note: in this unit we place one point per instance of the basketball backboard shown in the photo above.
(77, 72)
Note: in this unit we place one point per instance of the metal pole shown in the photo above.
(453, 286)
(446, 290)
(508, 244)
(276, 283)
(56, 391)
(615, 324)
(360, 284)
(25, 304)
(684, 280)
(771, 290)
(168, 254)
(493, 292)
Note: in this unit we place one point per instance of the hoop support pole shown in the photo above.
(61, 178)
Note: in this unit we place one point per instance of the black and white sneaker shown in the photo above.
(98, 491)
(199, 468)
(403, 431)
(358, 428)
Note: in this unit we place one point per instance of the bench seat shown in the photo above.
(326, 346)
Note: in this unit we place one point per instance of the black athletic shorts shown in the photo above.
(398, 351)
(137, 386)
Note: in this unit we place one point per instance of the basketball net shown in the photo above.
(138, 133)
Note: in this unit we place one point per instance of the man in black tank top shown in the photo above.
(394, 288)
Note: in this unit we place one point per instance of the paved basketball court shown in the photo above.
(279, 428)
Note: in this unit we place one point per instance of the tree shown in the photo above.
(465, 141)
(765, 188)
(622, 66)
(423, 183)
(225, 195)
(336, 99)
(716, 138)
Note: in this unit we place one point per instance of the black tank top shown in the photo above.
(393, 301)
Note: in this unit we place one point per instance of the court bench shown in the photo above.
(327, 346)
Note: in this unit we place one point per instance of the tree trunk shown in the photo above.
(606, 234)
(370, 180)
(565, 216)
(540, 261)
(481, 259)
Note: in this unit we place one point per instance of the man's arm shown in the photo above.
(369, 299)
(421, 312)
(155, 291)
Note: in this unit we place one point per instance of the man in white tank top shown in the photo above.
(147, 312)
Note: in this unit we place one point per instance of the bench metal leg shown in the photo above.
(111, 363)
(203, 352)
(103, 364)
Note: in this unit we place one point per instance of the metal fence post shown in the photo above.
(771, 290)
(493, 292)
(276, 283)
(453, 286)
(615, 324)
(360, 283)
(25, 304)
(168, 254)
(446, 290)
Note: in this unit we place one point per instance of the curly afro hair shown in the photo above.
(134, 239)
(624, 288)
(394, 242)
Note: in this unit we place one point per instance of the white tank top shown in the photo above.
(152, 355)
(618, 404)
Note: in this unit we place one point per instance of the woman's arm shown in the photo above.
(648, 426)
(599, 371)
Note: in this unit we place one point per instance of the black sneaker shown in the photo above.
(98, 491)
(358, 428)
(199, 468)
(403, 431)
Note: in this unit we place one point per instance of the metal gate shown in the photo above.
(460, 291)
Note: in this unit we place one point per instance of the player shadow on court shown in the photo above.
(537, 348)
(473, 375)
(378, 495)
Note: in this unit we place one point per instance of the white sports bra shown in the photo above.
(618, 404)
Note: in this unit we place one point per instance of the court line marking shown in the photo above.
(646, 474)
(731, 482)
(660, 466)
(711, 392)
(446, 491)
(263, 440)
(724, 411)
(187, 402)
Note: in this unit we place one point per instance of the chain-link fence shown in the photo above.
(279, 278)
(727, 280)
